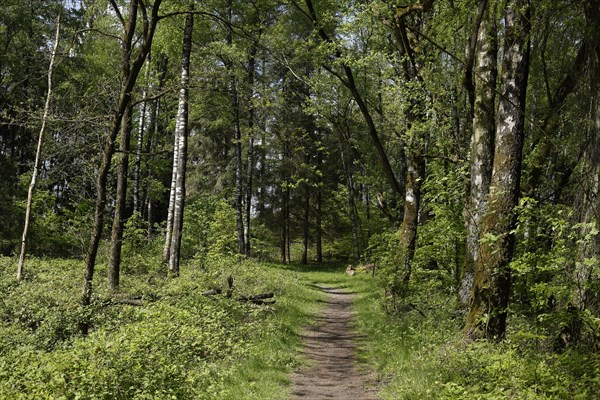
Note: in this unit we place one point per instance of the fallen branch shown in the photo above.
(116, 301)
(256, 297)
(212, 292)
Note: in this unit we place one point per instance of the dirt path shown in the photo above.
(330, 346)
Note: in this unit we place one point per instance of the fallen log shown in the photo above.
(259, 296)
(262, 302)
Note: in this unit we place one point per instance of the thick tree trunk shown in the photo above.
(589, 198)
(492, 281)
(482, 147)
(182, 128)
(116, 241)
(38, 155)
(109, 145)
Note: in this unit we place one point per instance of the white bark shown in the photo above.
(38, 155)
(178, 194)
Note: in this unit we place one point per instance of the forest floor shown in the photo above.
(330, 347)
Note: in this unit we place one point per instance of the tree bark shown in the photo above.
(352, 209)
(319, 210)
(140, 145)
(306, 224)
(172, 192)
(127, 86)
(482, 147)
(152, 142)
(251, 134)
(589, 197)
(116, 242)
(182, 132)
(491, 287)
(408, 232)
(38, 155)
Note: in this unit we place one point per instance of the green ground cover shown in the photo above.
(183, 345)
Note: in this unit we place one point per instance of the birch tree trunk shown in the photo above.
(182, 132)
(251, 133)
(38, 155)
(171, 209)
(492, 281)
(482, 146)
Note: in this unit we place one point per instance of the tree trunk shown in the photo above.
(237, 137)
(284, 224)
(589, 198)
(171, 210)
(408, 239)
(239, 177)
(182, 132)
(367, 200)
(306, 224)
(38, 155)
(116, 241)
(319, 211)
(492, 281)
(152, 142)
(251, 134)
(352, 208)
(140, 145)
(109, 145)
(482, 147)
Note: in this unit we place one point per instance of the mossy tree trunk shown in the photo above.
(408, 231)
(492, 280)
(482, 145)
(588, 255)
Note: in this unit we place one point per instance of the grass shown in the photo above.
(180, 344)
(184, 345)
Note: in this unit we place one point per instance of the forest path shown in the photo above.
(330, 346)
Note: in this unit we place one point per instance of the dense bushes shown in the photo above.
(179, 344)
(420, 353)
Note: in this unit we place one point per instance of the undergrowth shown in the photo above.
(179, 344)
(419, 353)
